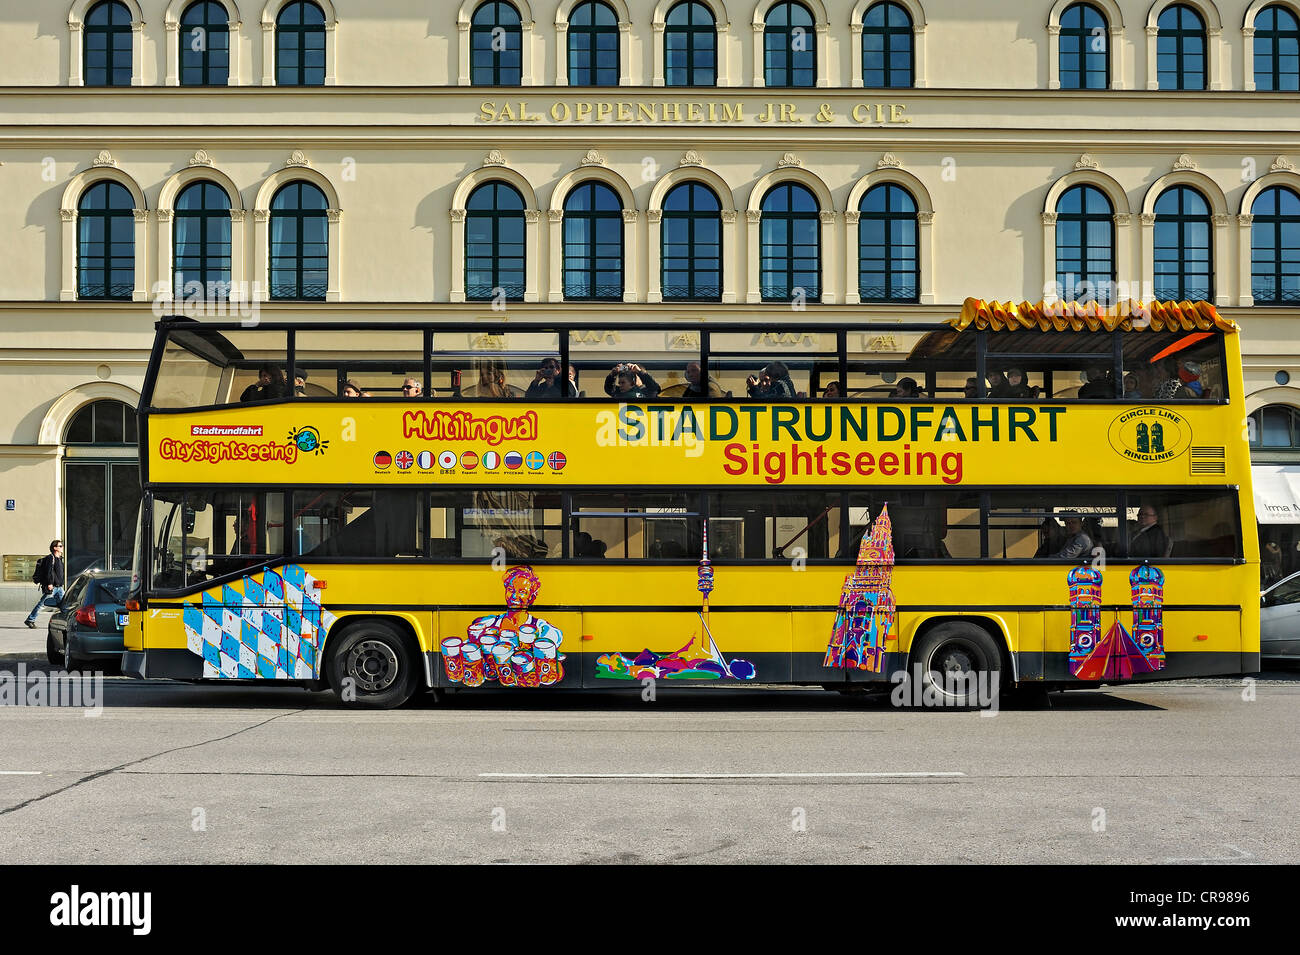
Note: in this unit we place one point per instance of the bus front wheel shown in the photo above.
(373, 666)
(959, 662)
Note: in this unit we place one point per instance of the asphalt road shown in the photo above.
(174, 773)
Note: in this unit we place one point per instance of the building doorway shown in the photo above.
(101, 487)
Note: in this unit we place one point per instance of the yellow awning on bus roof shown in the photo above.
(1078, 316)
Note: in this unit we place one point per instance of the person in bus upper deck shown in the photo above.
(411, 388)
(270, 384)
(492, 381)
(772, 383)
(906, 388)
(351, 389)
(833, 392)
(642, 381)
(628, 386)
(1015, 387)
(1164, 381)
(1100, 383)
(696, 389)
(546, 382)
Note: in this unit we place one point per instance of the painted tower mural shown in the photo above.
(867, 612)
(1119, 655)
(699, 659)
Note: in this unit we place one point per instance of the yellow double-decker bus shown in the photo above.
(1024, 496)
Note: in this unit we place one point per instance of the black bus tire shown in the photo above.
(372, 665)
(958, 647)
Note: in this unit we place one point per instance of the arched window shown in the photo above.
(690, 46)
(202, 242)
(495, 248)
(593, 45)
(205, 45)
(107, 41)
(101, 487)
(105, 422)
(593, 243)
(1275, 247)
(790, 246)
(1085, 245)
(105, 242)
(1085, 48)
(887, 47)
(1277, 50)
(1184, 263)
(299, 243)
(496, 46)
(691, 254)
(1275, 427)
(1180, 49)
(300, 45)
(889, 267)
(789, 46)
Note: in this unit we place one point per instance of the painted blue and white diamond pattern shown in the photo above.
(269, 628)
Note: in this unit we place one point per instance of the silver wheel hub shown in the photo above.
(373, 666)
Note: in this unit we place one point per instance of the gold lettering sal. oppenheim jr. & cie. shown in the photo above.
(737, 112)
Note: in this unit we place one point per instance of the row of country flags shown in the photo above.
(472, 460)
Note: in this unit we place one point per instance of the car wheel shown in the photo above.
(955, 660)
(53, 655)
(372, 665)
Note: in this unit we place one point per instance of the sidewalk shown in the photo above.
(19, 643)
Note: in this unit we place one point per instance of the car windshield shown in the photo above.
(114, 591)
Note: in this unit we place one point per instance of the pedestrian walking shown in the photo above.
(49, 577)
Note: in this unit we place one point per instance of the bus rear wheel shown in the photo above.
(372, 666)
(954, 659)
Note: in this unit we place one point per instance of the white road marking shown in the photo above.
(19, 772)
(717, 775)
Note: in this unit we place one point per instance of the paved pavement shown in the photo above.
(175, 773)
(17, 642)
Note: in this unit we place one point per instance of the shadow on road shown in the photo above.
(120, 693)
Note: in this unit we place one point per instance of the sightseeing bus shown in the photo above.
(1052, 495)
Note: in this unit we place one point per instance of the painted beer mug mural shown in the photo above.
(513, 648)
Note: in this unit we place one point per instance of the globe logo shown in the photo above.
(308, 440)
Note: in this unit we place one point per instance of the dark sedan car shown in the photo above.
(87, 626)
